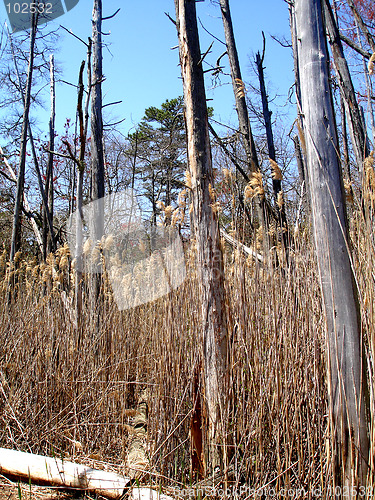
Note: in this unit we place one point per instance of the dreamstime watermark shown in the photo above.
(143, 262)
(20, 12)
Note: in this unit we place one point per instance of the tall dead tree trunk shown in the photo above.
(241, 107)
(16, 229)
(238, 88)
(48, 243)
(276, 177)
(79, 213)
(97, 150)
(346, 372)
(345, 145)
(366, 32)
(356, 126)
(206, 230)
(49, 221)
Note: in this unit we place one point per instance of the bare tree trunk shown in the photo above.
(355, 122)
(346, 366)
(13, 176)
(276, 178)
(206, 230)
(83, 118)
(302, 177)
(79, 213)
(292, 22)
(33, 150)
(345, 146)
(369, 88)
(362, 25)
(299, 158)
(97, 151)
(241, 107)
(16, 230)
(238, 88)
(48, 244)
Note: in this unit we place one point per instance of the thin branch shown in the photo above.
(213, 36)
(75, 36)
(283, 42)
(228, 153)
(204, 55)
(68, 83)
(111, 104)
(264, 48)
(219, 59)
(113, 124)
(355, 47)
(112, 16)
(71, 154)
(7, 177)
(171, 19)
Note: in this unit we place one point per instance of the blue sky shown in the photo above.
(140, 68)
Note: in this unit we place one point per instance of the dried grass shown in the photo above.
(57, 390)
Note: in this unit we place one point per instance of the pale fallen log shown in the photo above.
(246, 250)
(57, 472)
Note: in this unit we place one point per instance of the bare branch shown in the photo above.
(75, 36)
(112, 16)
(171, 19)
(213, 36)
(204, 55)
(355, 47)
(111, 104)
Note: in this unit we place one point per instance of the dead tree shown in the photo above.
(48, 244)
(346, 365)
(362, 25)
(16, 229)
(97, 150)
(238, 88)
(48, 222)
(205, 226)
(241, 107)
(356, 126)
(276, 172)
(79, 213)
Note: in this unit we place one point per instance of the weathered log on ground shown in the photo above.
(57, 472)
(137, 462)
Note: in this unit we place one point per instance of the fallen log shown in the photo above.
(237, 244)
(137, 462)
(56, 472)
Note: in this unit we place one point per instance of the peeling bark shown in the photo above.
(205, 226)
(346, 365)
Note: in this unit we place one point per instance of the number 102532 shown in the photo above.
(29, 8)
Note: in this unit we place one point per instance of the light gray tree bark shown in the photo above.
(205, 224)
(346, 372)
(97, 149)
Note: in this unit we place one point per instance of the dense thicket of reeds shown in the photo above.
(66, 394)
